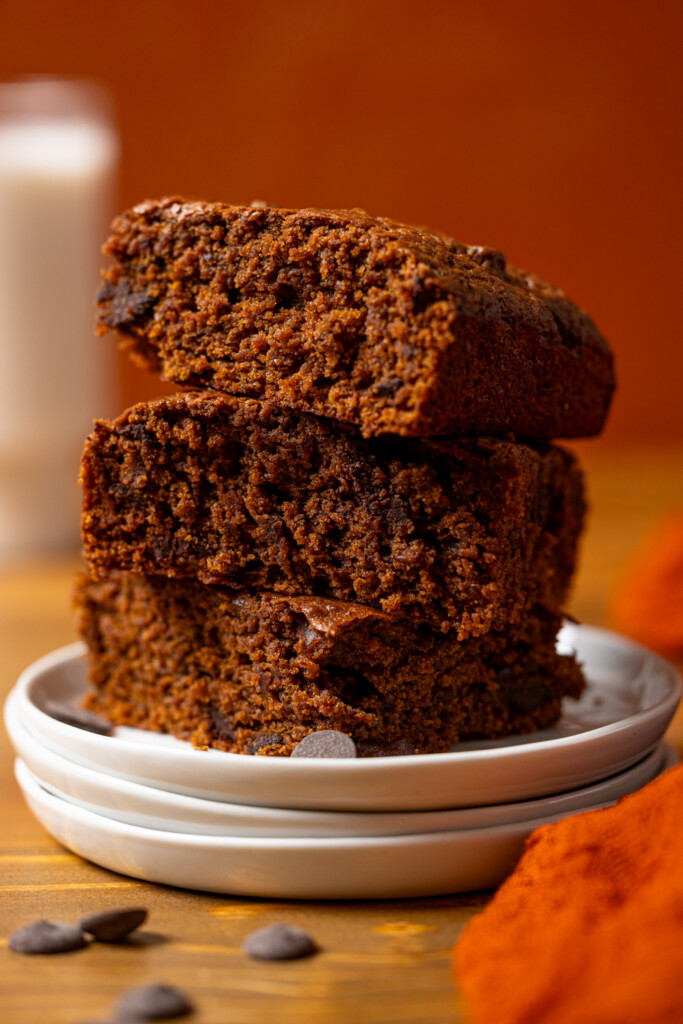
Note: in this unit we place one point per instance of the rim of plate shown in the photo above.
(28, 780)
(516, 768)
(386, 867)
(160, 805)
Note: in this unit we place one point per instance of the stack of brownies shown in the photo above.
(355, 519)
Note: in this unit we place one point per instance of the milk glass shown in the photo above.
(58, 162)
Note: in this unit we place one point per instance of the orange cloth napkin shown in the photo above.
(589, 927)
(648, 602)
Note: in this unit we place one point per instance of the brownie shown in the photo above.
(396, 329)
(255, 673)
(458, 534)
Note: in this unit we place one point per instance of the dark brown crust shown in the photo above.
(395, 329)
(256, 673)
(458, 534)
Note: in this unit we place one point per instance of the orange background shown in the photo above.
(550, 130)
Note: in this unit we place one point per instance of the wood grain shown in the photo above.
(381, 963)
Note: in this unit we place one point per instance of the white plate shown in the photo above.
(388, 867)
(629, 701)
(133, 804)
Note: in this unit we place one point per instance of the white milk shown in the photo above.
(57, 172)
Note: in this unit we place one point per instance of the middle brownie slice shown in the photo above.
(457, 534)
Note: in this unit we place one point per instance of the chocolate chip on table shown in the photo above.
(325, 743)
(279, 942)
(47, 937)
(152, 1002)
(113, 925)
(78, 717)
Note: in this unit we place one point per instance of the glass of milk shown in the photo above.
(58, 163)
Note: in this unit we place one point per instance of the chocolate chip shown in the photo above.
(266, 739)
(279, 942)
(388, 387)
(400, 748)
(126, 306)
(152, 1002)
(325, 743)
(105, 292)
(78, 717)
(47, 937)
(113, 925)
(221, 725)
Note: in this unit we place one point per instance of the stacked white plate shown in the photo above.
(152, 807)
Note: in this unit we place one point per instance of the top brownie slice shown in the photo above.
(396, 329)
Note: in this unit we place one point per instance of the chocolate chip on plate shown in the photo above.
(78, 717)
(113, 925)
(152, 1002)
(47, 937)
(325, 743)
(279, 942)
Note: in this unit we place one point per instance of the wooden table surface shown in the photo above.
(383, 962)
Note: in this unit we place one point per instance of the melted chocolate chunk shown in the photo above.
(78, 717)
(222, 726)
(366, 748)
(126, 306)
(268, 739)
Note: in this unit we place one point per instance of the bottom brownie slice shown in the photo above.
(256, 673)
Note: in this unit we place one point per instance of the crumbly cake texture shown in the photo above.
(460, 535)
(397, 329)
(256, 673)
